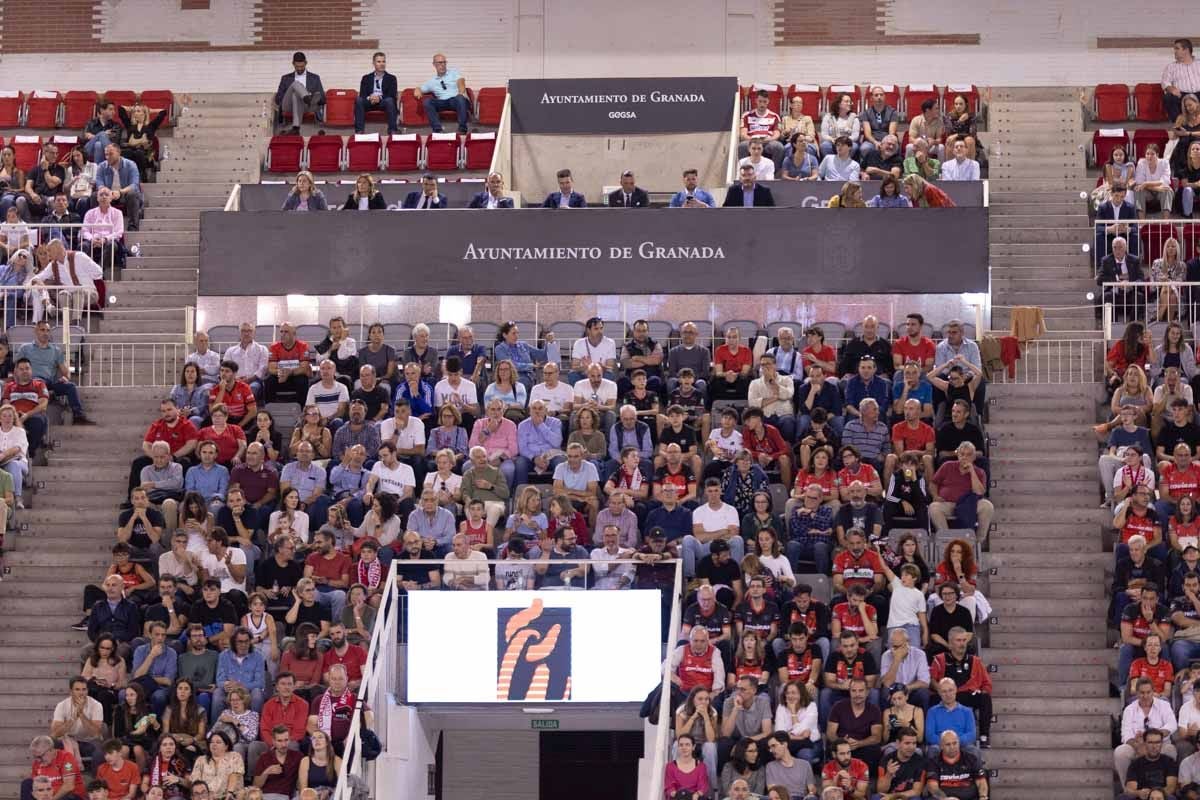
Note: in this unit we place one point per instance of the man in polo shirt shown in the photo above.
(449, 90)
(50, 366)
(310, 480)
(235, 395)
(259, 483)
(868, 433)
(952, 484)
(30, 397)
(171, 427)
(285, 710)
(59, 767)
(289, 368)
(577, 478)
(276, 773)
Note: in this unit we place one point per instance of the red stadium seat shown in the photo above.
(1145, 136)
(363, 151)
(917, 93)
(403, 153)
(891, 94)
(65, 143)
(79, 107)
(339, 107)
(776, 91)
(122, 97)
(833, 91)
(480, 147)
(968, 90)
(1110, 102)
(159, 99)
(1148, 103)
(12, 105)
(27, 150)
(441, 151)
(1105, 140)
(412, 112)
(490, 105)
(41, 109)
(285, 153)
(325, 153)
(811, 94)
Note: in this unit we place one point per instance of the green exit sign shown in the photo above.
(544, 724)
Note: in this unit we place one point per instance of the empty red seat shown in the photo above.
(27, 150)
(479, 148)
(1148, 103)
(1146, 136)
(325, 153)
(403, 152)
(12, 105)
(157, 99)
(967, 90)
(917, 93)
(441, 151)
(122, 97)
(412, 112)
(810, 93)
(339, 107)
(1110, 102)
(65, 143)
(363, 151)
(79, 107)
(1105, 140)
(285, 153)
(41, 109)
(490, 105)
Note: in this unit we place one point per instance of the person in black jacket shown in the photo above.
(630, 195)
(1119, 266)
(377, 91)
(300, 92)
(735, 195)
(1109, 223)
(494, 196)
(365, 197)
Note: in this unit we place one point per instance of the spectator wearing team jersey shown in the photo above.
(235, 395)
(1137, 622)
(757, 613)
(1133, 572)
(1133, 474)
(761, 124)
(856, 615)
(955, 772)
(1137, 516)
(969, 675)
(1179, 477)
(843, 775)
(913, 345)
(910, 434)
(847, 662)
(1147, 714)
(289, 367)
(866, 385)
(800, 661)
(697, 663)
(1179, 428)
(854, 468)
(1155, 666)
(677, 461)
(859, 566)
(175, 430)
(1185, 616)
(714, 616)
(958, 489)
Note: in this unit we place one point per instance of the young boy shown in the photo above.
(907, 494)
(906, 610)
(694, 402)
(477, 529)
(645, 401)
(722, 444)
(677, 431)
(121, 778)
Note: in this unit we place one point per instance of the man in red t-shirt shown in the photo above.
(912, 434)
(859, 616)
(58, 766)
(1178, 477)
(731, 369)
(330, 570)
(953, 481)
(858, 566)
(913, 346)
(845, 772)
(235, 395)
(121, 776)
(763, 124)
(350, 656)
(171, 427)
(289, 368)
(30, 397)
(766, 444)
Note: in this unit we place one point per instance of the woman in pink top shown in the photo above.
(685, 773)
(498, 436)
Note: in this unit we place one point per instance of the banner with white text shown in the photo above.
(622, 105)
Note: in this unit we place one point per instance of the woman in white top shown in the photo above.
(290, 519)
(445, 484)
(14, 450)
(262, 630)
(770, 555)
(1152, 178)
(797, 717)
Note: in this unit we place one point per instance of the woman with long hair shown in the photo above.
(135, 724)
(449, 436)
(1189, 179)
(850, 196)
(796, 716)
(1185, 130)
(923, 194)
(686, 774)
(524, 356)
(12, 184)
(889, 195)
(762, 515)
(381, 523)
(771, 556)
(960, 124)
(587, 433)
(752, 660)
(168, 771)
(190, 395)
(958, 567)
(80, 183)
(1168, 268)
(139, 144)
(1152, 180)
(289, 520)
(261, 626)
(1173, 351)
(313, 430)
(528, 520)
(319, 769)
(366, 196)
(746, 764)
(239, 722)
(221, 769)
(1134, 390)
(508, 388)
(1184, 529)
(303, 660)
(1132, 348)
(841, 121)
(900, 713)
(305, 196)
(196, 520)
(184, 720)
(697, 718)
(264, 433)
(908, 551)
(105, 674)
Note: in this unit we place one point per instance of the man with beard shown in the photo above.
(902, 772)
(845, 771)
(350, 656)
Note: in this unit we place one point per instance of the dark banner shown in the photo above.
(813, 194)
(618, 251)
(622, 105)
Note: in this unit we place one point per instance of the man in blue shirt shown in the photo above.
(449, 90)
(950, 715)
(48, 364)
(155, 666)
(867, 384)
(208, 479)
(674, 520)
(539, 444)
(692, 196)
(121, 176)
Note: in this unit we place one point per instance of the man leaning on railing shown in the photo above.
(66, 269)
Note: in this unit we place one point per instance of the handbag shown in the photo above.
(369, 744)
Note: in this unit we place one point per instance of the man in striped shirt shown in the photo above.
(868, 433)
(1180, 77)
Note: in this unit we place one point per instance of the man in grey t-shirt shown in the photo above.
(746, 714)
(688, 354)
(787, 771)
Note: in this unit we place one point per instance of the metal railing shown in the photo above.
(127, 364)
(21, 307)
(1057, 361)
(1146, 239)
(70, 234)
(1152, 302)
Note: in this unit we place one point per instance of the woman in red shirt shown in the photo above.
(1159, 670)
(820, 473)
(925, 195)
(1132, 349)
(731, 368)
(229, 439)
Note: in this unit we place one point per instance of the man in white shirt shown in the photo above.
(79, 720)
(714, 520)
(406, 435)
(465, 568)
(597, 393)
(1180, 77)
(226, 564)
(67, 270)
(960, 168)
(772, 392)
(251, 358)
(788, 359)
(457, 391)
(1146, 713)
(558, 397)
(331, 398)
(391, 476)
(618, 576)
(764, 168)
(593, 348)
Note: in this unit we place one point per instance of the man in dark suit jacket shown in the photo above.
(428, 197)
(565, 183)
(1116, 267)
(1110, 211)
(377, 91)
(494, 196)
(300, 91)
(630, 195)
(736, 195)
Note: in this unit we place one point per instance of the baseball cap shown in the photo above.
(656, 533)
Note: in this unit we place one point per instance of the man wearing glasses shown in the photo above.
(449, 90)
(1147, 713)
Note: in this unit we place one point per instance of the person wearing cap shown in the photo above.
(300, 91)
(657, 570)
(630, 195)
(428, 197)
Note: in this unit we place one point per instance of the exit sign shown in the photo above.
(544, 724)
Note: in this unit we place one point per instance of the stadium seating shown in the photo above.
(811, 94)
(441, 151)
(403, 153)
(26, 149)
(12, 108)
(412, 112)
(1145, 136)
(1106, 140)
(968, 90)
(160, 98)
(122, 97)
(1148, 103)
(364, 152)
(79, 107)
(917, 93)
(490, 105)
(339, 107)
(325, 153)
(479, 148)
(42, 109)
(1111, 102)
(285, 153)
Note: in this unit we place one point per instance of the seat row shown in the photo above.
(486, 104)
(1117, 102)
(27, 148)
(1134, 142)
(369, 152)
(818, 99)
(42, 109)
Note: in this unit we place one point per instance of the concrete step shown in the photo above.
(92, 531)
(1004, 740)
(184, 209)
(1033, 249)
(1042, 183)
(166, 327)
(1012, 472)
(37, 581)
(161, 238)
(1020, 673)
(38, 559)
(1008, 564)
(1004, 658)
(1035, 792)
(1005, 544)
(150, 287)
(1076, 689)
(1050, 235)
(152, 269)
(1089, 595)
(1049, 624)
(170, 224)
(210, 192)
(1072, 784)
(1090, 758)
(1031, 222)
(1001, 638)
(999, 198)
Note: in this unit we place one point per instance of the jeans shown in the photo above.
(1183, 653)
(94, 148)
(1187, 200)
(1125, 658)
(786, 424)
(821, 553)
(386, 104)
(694, 550)
(65, 388)
(457, 104)
(333, 599)
(35, 429)
(10, 199)
(523, 466)
(17, 468)
(913, 631)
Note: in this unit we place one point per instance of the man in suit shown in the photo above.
(494, 196)
(376, 91)
(428, 197)
(1109, 226)
(630, 195)
(566, 196)
(300, 91)
(747, 192)
(1120, 267)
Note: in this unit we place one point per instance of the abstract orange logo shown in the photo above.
(534, 653)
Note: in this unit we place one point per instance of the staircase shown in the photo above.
(1038, 223)
(69, 526)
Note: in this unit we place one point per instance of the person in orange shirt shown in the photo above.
(120, 776)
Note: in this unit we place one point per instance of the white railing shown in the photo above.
(21, 307)
(1146, 239)
(1151, 302)
(662, 741)
(71, 235)
(1057, 361)
(129, 363)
